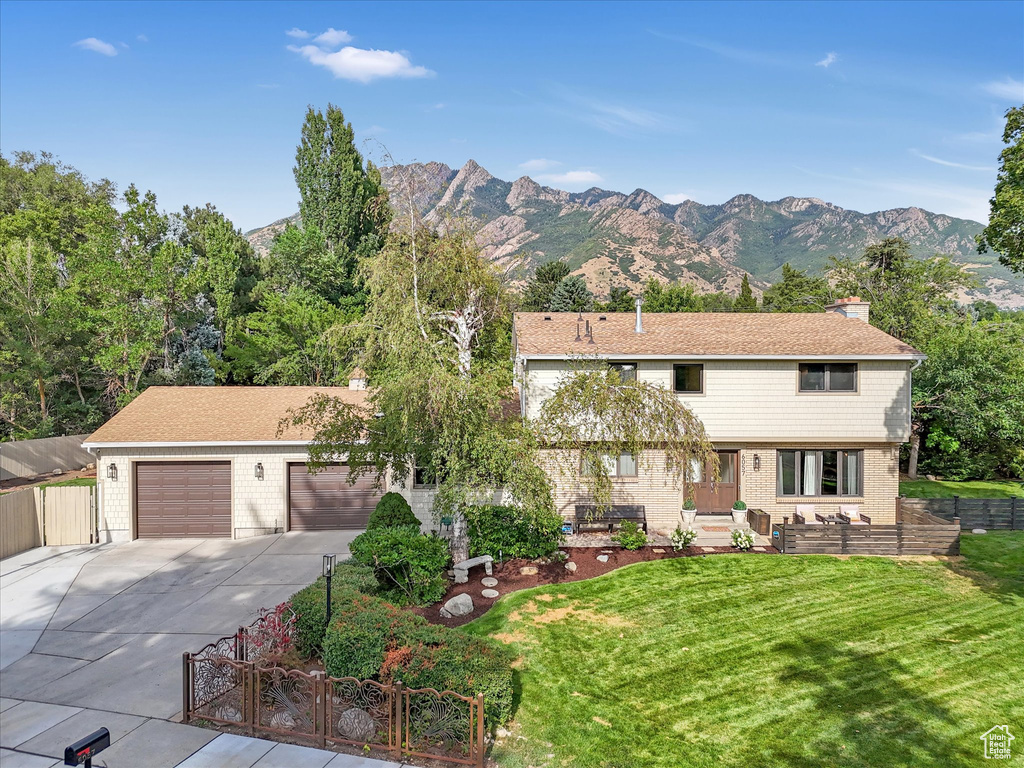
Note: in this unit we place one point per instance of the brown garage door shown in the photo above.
(183, 499)
(326, 500)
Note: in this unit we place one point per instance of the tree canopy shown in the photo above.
(1005, 231)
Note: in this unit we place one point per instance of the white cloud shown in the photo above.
(539, 164)
(677, 198)
(332, 38)
(142, 38)
(361, 65)
(124, 45)
(96, 45)
(951, 164)
(829, 60)
(572, 178)
(1009, 89)
(298, 34)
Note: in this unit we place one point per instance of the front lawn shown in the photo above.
(788, 661)
(970, 489)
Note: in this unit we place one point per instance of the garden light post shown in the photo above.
(328, 573)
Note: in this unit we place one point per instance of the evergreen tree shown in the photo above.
(797, 292)
(537, 296)
(745, 302)
(572, 295)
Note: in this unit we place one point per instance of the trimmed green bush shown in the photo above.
(409, 567)
(630, 536)
(310, 604)
(392, 510)
(504, 531)
(371, 639)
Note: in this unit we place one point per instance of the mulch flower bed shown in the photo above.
(511, 579)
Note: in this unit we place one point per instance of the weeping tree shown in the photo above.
(435, 345)
(596, 415)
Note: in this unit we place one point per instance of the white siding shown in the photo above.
(757, 400)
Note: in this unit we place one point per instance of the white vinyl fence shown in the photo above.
(27, 458)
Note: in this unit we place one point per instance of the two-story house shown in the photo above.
(802, 408)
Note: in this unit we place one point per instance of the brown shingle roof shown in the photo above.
(705, 333)
(212, 414)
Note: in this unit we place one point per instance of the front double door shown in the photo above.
(716, 497)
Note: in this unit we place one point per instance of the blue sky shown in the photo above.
(866, 105)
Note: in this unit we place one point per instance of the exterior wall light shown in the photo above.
(757, 462)
(259, 470)
(112, 471)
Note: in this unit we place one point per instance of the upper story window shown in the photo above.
(627, 371)
(688, 378)
(423, 477)
(828, 377)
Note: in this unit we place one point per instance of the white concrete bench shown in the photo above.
(462, 569)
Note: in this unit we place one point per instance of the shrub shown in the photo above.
(689, 505)
(742, 538)
(682, 537)
(509, 533)
(392, 510)
(310, 604)
(371, 639)
(739, 506)
(630, 536)
(409, 567)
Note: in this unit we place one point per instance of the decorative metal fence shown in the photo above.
(227, 683)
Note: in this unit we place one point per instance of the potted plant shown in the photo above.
(689, 511)
(739, 513)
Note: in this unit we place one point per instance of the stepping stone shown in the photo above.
(607, 551)
(979, 530)
(602, 558)
(658, 549)
(491, 593)
(528, 570)
(489, 581)
(708, 549)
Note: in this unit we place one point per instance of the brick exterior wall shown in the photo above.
(662, 499)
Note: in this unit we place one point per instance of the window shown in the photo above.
(820, 473)
(423, 477)
(688, 377)
(828, 377)
(624, 466)
(627, 371)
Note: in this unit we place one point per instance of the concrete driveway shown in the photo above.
(99, 631)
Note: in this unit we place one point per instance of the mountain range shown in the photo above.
(612, 238)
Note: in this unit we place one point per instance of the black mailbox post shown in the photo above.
(84, 750)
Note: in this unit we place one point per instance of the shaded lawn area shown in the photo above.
(969, 489)
(75, 481)
(745, 660)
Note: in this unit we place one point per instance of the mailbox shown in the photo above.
(84, 750)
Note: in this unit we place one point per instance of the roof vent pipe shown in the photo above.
(639, 319)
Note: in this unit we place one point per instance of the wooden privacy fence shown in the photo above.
(28, 458)
(36, 517)
(915, 533)
(226, 683)
(991, 514)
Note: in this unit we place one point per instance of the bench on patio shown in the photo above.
(462, 569)
(616, 514)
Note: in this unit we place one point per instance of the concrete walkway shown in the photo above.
(92, 637)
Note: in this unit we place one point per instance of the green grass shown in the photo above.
(741, 660)
(78, 481)
(971, 489)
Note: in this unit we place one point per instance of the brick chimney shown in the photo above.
(851, 306)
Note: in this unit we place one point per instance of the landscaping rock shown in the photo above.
(489, 581)
(283, 721)
(979, 530)
(490, 593)
(228, 713)
(502, 733)
(460, 605)
(357, 725)
(58, 472)
(528, 570)
(602, 558)
(571, 567)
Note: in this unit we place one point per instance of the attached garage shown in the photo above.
(179, 499)
(327, 501)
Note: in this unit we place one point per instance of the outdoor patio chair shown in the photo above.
(852, 515)
(805, 515)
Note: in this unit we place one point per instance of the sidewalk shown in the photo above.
(34, 735)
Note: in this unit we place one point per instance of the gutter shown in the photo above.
(629, 356)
